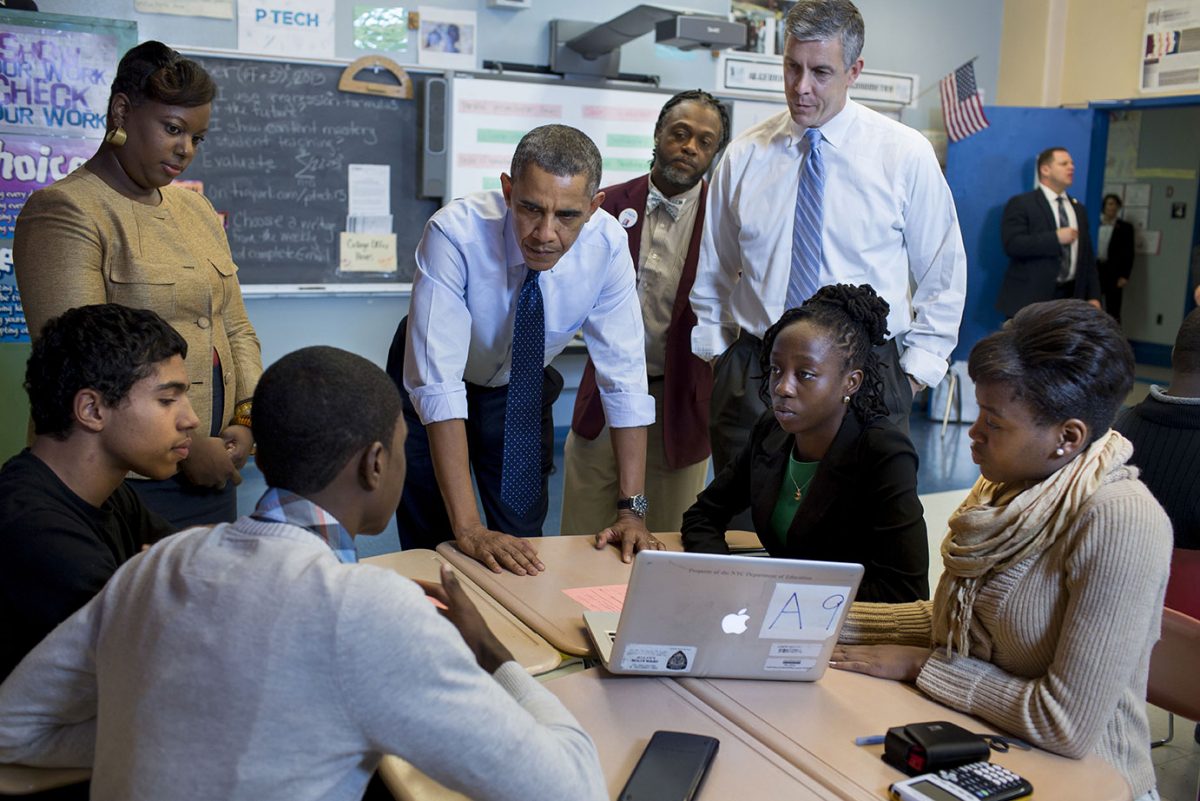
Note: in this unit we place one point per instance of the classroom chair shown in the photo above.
(1183, 588)
(1172, 685)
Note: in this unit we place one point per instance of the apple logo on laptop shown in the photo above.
(735, 622)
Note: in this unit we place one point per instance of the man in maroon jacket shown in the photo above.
(663, 213)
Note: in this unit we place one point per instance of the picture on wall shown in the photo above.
(764, 24)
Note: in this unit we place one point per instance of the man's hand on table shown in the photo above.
(630, 534)
(499, 552)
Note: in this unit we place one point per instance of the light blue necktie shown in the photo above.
(804, 278)
(521, 477)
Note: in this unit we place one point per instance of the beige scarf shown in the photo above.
(1000, 525)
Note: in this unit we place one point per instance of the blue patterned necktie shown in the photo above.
(521, 477)
(803, 280)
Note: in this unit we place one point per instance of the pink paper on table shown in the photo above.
(609, 598)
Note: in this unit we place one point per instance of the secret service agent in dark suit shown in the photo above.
(688, 378)
(862, 506)
(1039, 245)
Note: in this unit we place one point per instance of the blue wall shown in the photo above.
(984, 171)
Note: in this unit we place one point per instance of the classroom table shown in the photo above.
(813, 726)
(529, 650)
(22, 780)
(571, 562)
(620, 714)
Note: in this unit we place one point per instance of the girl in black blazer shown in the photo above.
(825, 475)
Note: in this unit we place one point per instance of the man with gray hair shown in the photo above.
(825, 192)
(504, 280)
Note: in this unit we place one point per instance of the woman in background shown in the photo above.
(1056, 563)
(825, 475)
(116, 231)
(1114, 254)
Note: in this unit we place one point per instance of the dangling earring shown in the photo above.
(1059, 451)
(845, 399)
(116, 137)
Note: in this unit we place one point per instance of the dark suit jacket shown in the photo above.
(1028, 232)
(688, 378)
(862, 506)
(1119, 263)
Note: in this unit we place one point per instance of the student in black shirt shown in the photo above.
(108, 393)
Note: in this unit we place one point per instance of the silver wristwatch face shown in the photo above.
(636, 504)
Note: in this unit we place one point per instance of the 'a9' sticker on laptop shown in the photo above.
(804, 612)
(658, 658)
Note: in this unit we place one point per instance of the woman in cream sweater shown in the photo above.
(116, 231)
(1056, 563)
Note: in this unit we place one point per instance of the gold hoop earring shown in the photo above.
(116, 137)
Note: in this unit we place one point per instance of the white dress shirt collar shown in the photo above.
(834, 131)
(1052, 197)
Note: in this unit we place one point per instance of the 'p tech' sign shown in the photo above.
(286, 27)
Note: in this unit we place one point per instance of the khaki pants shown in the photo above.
(590, 488)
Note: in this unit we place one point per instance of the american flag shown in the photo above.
(962, 108)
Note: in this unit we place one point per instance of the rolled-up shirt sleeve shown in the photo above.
(616, 341)
(435, 353)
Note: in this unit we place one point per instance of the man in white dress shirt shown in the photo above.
(541, 236)
(886, 218)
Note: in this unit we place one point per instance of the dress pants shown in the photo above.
(591, 490)
(421, 519)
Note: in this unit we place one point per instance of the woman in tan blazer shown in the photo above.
(116, 231)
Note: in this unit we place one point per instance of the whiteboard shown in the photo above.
(489, 116)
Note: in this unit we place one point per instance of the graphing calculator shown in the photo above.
(970, 782)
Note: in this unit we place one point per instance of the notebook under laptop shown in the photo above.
(738, 617)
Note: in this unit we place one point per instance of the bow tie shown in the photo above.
(673, 206)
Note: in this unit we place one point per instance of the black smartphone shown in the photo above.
(671, 768)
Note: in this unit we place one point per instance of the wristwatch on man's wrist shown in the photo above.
(634, 503)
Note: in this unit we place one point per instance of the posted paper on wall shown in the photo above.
(286, 27)
(367, 253)
(217, 9)
(1169, 61)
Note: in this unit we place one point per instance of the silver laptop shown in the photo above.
(736, 617)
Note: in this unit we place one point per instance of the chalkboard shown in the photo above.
(275, 163)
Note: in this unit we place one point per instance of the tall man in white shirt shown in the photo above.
(825, 192)
(663, 215)
(503, 281)
(1045, 234)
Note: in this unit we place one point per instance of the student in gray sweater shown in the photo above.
(254, 660)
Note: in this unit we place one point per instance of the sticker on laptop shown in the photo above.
(796, 649)
(658, 658)
(803, 611)
(790, 663)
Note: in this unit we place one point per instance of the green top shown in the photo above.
(791, 494)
